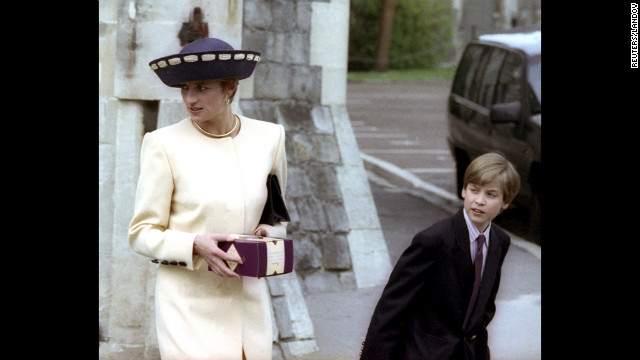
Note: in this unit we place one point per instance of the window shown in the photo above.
(508, 87)
(490, 77)
(466, 70)
(535, 92)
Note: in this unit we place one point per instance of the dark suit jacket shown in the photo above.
(422, 308)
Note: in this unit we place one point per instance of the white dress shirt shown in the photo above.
(473, 236)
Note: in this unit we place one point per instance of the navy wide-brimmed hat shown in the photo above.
(205, 59)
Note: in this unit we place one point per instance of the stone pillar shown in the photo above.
(301, 84)
(329, 50)
(128, 278)
(107, 115)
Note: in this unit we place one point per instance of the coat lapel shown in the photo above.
(464, 266)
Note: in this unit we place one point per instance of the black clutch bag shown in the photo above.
(274, 210)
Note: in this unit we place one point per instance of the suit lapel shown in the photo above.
(464, 266)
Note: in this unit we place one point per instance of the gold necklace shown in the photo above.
(235, 125)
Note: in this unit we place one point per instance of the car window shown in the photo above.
(534, 77)
(466, 70)
(490, 76)
(508, 86)
(476, 77)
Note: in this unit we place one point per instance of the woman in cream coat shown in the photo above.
(202, 179)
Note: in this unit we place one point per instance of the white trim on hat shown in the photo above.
(191, 58)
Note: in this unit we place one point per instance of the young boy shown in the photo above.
(425, 311)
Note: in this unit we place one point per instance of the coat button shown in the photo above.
(164, 262)
(174, 263)
(155, 261)
(182, 263)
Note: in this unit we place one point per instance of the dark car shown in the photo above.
(495, 105)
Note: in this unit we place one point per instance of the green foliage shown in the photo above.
(442, 72)
(364, 17)
(421, 38)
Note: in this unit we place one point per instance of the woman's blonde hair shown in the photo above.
(226, 84)
(491, 167)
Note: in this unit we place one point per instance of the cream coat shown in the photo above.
(189, 184)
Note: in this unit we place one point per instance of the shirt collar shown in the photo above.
(473, 232)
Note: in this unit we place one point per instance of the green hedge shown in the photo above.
(421, 38)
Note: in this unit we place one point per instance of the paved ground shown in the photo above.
(404, 123)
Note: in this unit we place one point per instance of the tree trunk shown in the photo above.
(384, 36)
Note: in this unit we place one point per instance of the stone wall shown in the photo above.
(301, 84)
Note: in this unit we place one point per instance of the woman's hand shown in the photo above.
(206, 245)
(261, 232)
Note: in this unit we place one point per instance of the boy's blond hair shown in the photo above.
(491, 167)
